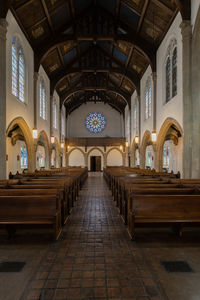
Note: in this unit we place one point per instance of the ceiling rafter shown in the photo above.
(144, 10)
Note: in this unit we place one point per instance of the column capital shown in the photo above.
(186, 29)
(3, 28)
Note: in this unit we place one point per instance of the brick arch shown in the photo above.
(43, 139)
(115, 148)
(76, 148)
(161, 139)
(146, 140)
(27, 137)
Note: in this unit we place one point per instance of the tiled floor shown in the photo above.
(95, 258)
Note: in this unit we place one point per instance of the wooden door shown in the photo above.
(98, 163)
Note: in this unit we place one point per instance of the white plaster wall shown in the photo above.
(56, 132)
(194, 10)
(43, 124)
(146, 124)
(174, 108)
(134, 131)
(12, 164)
(127, 123)
(76, 158)
(114, 158)
(14, 107)
(76, 121)
(96, 152)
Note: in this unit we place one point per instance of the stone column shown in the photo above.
(3, 31)
(186, 30)
(154, 78)
(36, 111)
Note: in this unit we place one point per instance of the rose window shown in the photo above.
(95, 122)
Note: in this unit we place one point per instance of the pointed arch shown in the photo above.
(169, 122)
(146, 140)
(44, 141)
(21, 123)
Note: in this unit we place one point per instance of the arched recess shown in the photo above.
(76, 157)
(18, 129)
(170, 130)
(115, 157)
(44, 142)
(96, 152)
(55, 158)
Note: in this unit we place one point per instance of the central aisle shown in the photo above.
(94, 259)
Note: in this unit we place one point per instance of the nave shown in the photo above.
(95, 258)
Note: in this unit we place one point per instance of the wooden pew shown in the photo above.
(163, 209)
(31, 210)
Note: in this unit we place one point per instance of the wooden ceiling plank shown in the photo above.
(24, 5)
(47, 15)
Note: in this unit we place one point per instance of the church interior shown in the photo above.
(99, 149)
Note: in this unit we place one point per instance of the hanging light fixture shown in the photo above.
(153, 136)
(127, 144)
(52, 139)
(121, 147)
(62, 145)
(136, 139)
(35, 133)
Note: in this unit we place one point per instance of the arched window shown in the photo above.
(18, 70)
(24, 157)
(168, 79)
(171, 71)
(135, 116)
(42, 100)
(148, 99)
(174, 73)
(62, 125)
(54, 114)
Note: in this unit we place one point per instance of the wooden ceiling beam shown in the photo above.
(184, 7)
(163, 6)
(46, 12)
(130, 7)
(144, 10)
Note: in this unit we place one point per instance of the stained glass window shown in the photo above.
(95, 122)
(24, 157)
(166, 157)
(174, 73)
(62, 124)
(149, 159)
(42, 100)
(168, 78)
(148, 99)
(54, 114)
(18, 70)
(41, 159)
(135, 116)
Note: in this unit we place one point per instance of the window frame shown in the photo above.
(148, 99)
(173, 81)
(43, 99)
(18, 81)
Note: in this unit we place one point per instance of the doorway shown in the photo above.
(95, 163)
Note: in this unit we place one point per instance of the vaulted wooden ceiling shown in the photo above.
(96, 50)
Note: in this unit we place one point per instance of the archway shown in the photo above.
(19, 135)
(114, 157)
(135, 155)
(76, 157)
(42, 151)
(96, 152)
(170, 143)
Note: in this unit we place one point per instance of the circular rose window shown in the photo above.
(95, 122)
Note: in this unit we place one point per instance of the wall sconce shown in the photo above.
(35, 133)
(52, 139)
(136, 139)
(126, 144)
(153, 136)
(62, 145)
